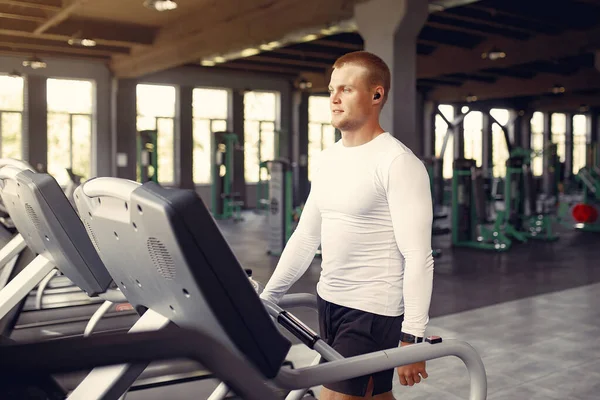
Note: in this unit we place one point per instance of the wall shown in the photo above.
(71, 69)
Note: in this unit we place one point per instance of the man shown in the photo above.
(370, 208)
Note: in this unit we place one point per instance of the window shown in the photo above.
(440, 133)
(473, 137)
(537, 142)
(156, 111)
(70, 116)
(11, 116)
(559, 129)
(259, 132)
(579, 141)
(499, 147)
(321, 134)
(210, 116)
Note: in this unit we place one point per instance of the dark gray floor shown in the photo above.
(465, 279)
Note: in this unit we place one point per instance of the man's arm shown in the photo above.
(409, 197)
(298, 253)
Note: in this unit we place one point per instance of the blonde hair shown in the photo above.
(379, 72)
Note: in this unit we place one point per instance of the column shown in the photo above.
(237, 117)
(300, 151)
(125, 124)
(487, 160)
(568, 147)
(546, 176)
(184, 162)
(390, 29)
(35, 123)
(427, 116)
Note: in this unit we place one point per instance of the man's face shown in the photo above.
(351, 100)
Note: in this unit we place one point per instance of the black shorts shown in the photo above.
(353, 332)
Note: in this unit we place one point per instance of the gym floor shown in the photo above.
(529, 312)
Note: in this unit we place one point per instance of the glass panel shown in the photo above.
(166, 148)
(499, 148)
(260, 106)
(71, 96)
(579, 141)
(537, 142)
(328, 136)
(251, 160)
(559, 128)
(201, 157)
(82, 145)
(314, 146)
(319, 109)
(59, 146)
(473, 124)
(11, 93)
(146, 123)
(219, 125)
(155, 101)
(440, 132)
(210, 103)
(11, 135)
(267, 145)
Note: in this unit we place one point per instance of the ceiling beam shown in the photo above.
(35, 43)
(44, 53)
(513, 87)
(232, 31)
(450, 60)
(105, 33)
(21, 17)
(31, 4)
(284, 61)
(494, 11)
(566, 103)
(62, 15)
(489, 23)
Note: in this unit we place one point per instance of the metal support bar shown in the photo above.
(12, 249)
(336, 371)
(111, 382)
(23, 283)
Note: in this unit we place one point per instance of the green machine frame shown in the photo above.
(147, 156)
(225, 203)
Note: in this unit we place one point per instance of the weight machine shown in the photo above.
(226, 202)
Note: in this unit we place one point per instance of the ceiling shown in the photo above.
(544, 50)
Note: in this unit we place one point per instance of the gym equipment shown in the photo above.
(535, 224)
(280, 211)
(225, 202)
(585, 213)
(147, 155)
(169, 257)
(34, 202)
(434, 167)
(28, 367)
(469, 211)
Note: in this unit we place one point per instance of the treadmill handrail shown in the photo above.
(351, 367)
(78, 353)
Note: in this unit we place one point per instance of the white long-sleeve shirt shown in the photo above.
(370, 208)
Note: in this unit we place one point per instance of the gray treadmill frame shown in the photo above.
(119, 190)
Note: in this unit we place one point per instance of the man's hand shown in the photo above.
(411, 373)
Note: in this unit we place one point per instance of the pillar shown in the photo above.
(427, 116)
(184, 143)
(300, 143)
(525, 127)
(125, 126)
(568, 147)
(546, 177)
(459, 134)
(392, 35)
(35, 123)
(237, 118)
(487, 160)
